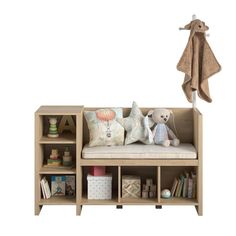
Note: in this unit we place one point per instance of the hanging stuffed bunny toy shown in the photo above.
(162, 134)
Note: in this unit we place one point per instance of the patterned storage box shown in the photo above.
(99, 187)
(131, 186)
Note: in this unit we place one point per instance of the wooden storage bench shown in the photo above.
(160, 164)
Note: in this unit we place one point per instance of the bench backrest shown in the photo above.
(183, 121)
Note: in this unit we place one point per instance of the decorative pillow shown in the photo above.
(137, 126)
(104, 130)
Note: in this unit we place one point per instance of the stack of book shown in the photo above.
(63, 185)
(45, 188)
(184, 185)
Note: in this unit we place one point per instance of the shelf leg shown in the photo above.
(158, 207)
(37, 209)
(119, 206)
(78, 210)
(199, 209)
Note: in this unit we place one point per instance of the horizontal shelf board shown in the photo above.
(138, 201)
(48, 170)
(178, 201)
(63, 139)
(86, 201)
(58, 201)
(137, 162)
(59, 110)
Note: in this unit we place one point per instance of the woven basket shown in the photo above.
(131, 186)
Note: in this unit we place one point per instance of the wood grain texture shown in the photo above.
(59, 110)
(159, 184)
(119, 183)
(189, 129)
(137, 162)
(43, 143)
(79, 141)
(183, 120)
(38, 162)
(198, 142)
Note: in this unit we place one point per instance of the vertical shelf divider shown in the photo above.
(79, 143)
(38, 158)
(119, 184)
(158, 184)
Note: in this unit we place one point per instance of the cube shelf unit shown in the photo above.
(43, 146)
(162, 171)
(162, 176)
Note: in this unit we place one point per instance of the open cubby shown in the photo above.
(61, 148)
(59, 117)
(56, 200)
(144, 172)
(168, 174)
(113, 170)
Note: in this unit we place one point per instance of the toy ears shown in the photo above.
(150, 112)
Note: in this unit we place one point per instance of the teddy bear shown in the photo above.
(162, 134)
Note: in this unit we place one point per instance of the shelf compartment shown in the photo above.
(47, 148)
(168, 174)
(58, 201)
(59, 118)
(178, 201)
(109, 170)
(144, 172)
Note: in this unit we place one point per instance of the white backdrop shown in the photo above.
(109, 53)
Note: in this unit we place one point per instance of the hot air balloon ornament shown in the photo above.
(106, 115)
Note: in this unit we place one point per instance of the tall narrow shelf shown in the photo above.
(42, 146)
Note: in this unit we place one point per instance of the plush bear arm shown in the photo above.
(154, 131)
(171, 133)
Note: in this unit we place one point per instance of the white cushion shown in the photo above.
(140, 151)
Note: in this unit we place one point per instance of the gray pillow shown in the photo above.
(137, 126)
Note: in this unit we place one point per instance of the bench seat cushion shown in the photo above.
(140, 151)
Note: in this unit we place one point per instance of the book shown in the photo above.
(193, 175)
(48, 191)
(174, 185)
(190, 187)
(58, 185)
(45, 188)
(70, 185)
(181, 185)
(177, 188)
(185, 186)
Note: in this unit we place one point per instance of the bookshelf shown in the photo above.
(161, 171)
(44, 144)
